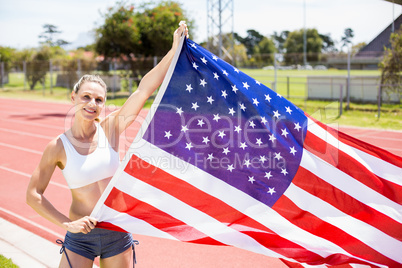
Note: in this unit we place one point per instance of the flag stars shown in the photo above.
(200, 122)
(272, 137)
(268, 175)
(252, 124)
(288, 110)
(221, 134)
(257, 82)
(194, 106)
(271, 190)
(237, 129)
(292, 150)
(277, 156)
(243, 145)
(262, 159)
(263, 120)
(210, 157)
(179, 111)
(205, 140)
(189, 146)
(203, 82)
(195, 66)
(297, 127)
(226, 150)
(234, 89)
(277, 114)
(184, 129)
(214, 57)
(255, 101)
(245, 85)
(210, 99)
(204, 60)
(284, 132)
(278, 95)
(242, 107)
(230, 168)
(224, 94)
(258, 142)
(251, 179)
(168, 134)
(216, 117)
(193, 45)
(231, 111)
(267, 98)
(236, 70)
(225, 73)
(189, 88)
(247, 162)
(284, 172)
(216, 76)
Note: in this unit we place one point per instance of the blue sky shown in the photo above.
(21, 20)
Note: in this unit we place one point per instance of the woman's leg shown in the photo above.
(76, 260)
(124, 260)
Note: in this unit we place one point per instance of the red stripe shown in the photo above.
(352, 167)
(361, 145)
(110, 226)
(217, 209)
(125, 203)
(318, 227)
(314, 185)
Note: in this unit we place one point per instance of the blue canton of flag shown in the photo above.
(230, 125)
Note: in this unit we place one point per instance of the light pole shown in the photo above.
(304, 36)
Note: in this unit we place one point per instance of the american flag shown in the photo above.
(223, 160)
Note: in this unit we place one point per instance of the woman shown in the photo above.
(87, 154)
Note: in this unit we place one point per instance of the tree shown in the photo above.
(279, 40)
(347, 37)
(131, 35)
(38, 66)
(328, 45)
(391, 65)
(294, 46)
(47, 37)
(250, 41)
(264, 52)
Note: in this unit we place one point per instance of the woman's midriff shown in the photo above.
(85, 198)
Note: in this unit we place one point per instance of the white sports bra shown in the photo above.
(81, 170)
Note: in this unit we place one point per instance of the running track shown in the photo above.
(25, 129)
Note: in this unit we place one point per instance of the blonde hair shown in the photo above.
(90, 78)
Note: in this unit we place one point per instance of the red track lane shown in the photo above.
(25, 129)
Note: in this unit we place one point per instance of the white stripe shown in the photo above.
(131, 224)
(29, 176)
(235, 198)
(189, 215)
(364, 232)
(376, 165)
(20, 148)
(31, 223)
(349, 185)
(26, 133)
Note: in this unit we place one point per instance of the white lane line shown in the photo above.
(29, 176)
(32, 223)
(20, 148)
(26, 133)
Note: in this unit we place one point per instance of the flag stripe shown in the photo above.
(215, 208)
(378, 241)
(367, 152)
(125, 203)
(112, 218)
(311, 223)
(237, 199)
(352, 167)
(347, 184)
(314, 185)
(178, 210)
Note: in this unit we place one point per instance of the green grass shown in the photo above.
(7, 263)
(360, 115)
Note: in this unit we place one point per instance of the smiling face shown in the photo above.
(89, 100)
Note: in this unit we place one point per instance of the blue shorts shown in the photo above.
(99, 242)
